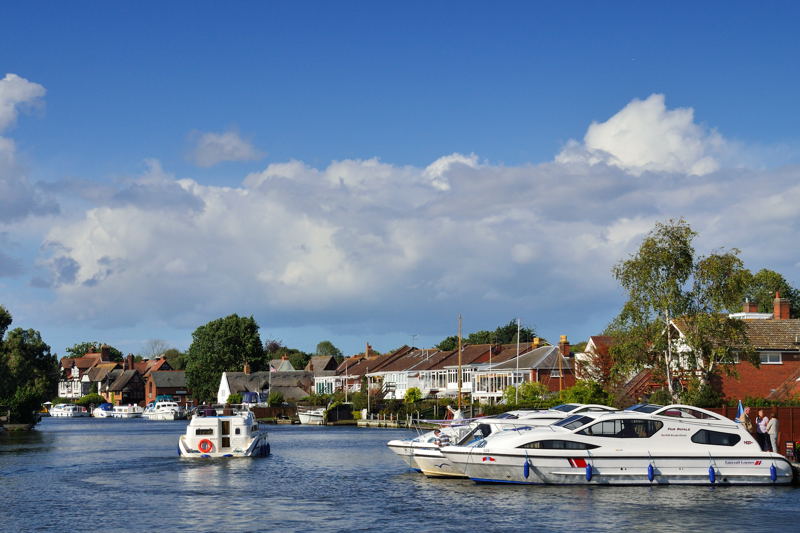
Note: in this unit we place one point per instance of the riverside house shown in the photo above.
(486, 370)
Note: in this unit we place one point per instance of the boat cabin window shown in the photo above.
(204, 431)
(574, 421)
(238, 431)
(558, 445)
(623, 429)
(717, 438)
(686, 412)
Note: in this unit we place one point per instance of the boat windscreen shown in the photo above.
(505, 415)
(644, 407)
(566, 407)
(574, 421)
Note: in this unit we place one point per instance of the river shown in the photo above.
(125, 475)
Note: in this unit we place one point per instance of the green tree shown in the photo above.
(82, 348)
(327, 348)
(586, 392)
(175, 358)
(222, 345)
(531, 393)
(413, 395)
(763, 286)
(506, 334)
(28, 371)
(666, 282)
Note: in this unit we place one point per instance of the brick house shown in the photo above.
(776, 338)
(167, 383)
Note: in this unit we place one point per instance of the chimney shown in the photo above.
(563, 346)
(246, 368)
(128, 362)
(750, 307)
(780, 307)
(368, 352)
(536, 342)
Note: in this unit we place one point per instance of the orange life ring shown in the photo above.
(205, 445)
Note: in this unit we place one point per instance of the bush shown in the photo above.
(586, 392)
(90, 399)
(661, 396)
(234, 398)
(275, 398)
(413, 395)
(701, 395)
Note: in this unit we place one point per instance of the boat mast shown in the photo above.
(459, 362)
(516, 372)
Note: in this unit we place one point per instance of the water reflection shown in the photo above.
(322, 479)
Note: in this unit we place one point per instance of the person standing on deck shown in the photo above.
(761, 431)
(772, 431)
(747, 423)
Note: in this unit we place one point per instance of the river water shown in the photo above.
(125, 475)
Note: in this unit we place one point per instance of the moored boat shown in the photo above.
(68, 410)
(104, 410)
(164, 410)
(674, 444)
(313, 417)
(127, 411)
(225, 433)
(423, 453)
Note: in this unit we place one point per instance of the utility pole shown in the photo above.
(459, 362)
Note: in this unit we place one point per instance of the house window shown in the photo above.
(555, 373)
(770, 358)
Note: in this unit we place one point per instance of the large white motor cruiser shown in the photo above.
(422, 453)
(674, 444)
(164, 410)
(223, 433)
(68, 410)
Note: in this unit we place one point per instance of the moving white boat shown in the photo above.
(225, 433)
(674, 444)
(104, 410)
(127, 411)
(68, 410)
(314, 417)
(427, 456)
(164, 410)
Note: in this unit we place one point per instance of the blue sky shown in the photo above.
(364, 171)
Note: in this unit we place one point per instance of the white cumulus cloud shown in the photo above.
(212, 148)
(645, 136)
(18, 196)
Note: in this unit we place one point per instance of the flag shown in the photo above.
(739, 413)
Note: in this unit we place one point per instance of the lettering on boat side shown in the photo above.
(742, 462)
(487, 458)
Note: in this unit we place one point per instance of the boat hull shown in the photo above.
(162, 416)
(576, 469)
(258, 447)
(405, 451)
(312, 418)
(432, 463)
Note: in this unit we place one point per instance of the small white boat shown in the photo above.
(127, 411)
(230, 434)
(104, 410)
(665, 445)
(313, 417)
(164, 410)
(68, 410)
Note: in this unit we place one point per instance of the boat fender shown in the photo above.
(268, 450)
(588, 472)
(773, 473)
(712, 475)
(651, 472)
(205, 445)
(526, 470)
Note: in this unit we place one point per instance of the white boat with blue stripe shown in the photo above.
(649, 445)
